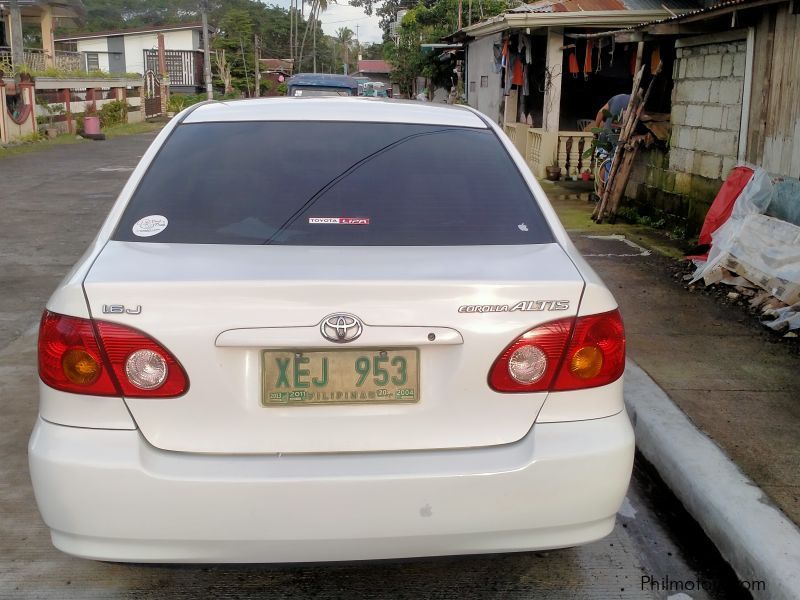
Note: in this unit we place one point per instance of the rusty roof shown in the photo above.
(552, 6)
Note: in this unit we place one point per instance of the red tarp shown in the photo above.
(723, 205)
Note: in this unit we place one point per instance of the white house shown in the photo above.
(136, 51)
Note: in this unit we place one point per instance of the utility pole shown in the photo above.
(291, 31)
(314, 33)
(206, 52)
(459, 15)
(257, 67)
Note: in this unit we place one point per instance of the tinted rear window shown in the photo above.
(333, 184)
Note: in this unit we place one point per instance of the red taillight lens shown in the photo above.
(70, 359)
(106, 359)
(579, 353)
(596, 353)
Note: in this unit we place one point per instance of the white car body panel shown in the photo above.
(214, 476)
(190, 294)
(559, 486)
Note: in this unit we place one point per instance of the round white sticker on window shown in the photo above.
(152, 225)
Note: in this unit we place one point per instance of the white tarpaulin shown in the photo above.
(764, 250)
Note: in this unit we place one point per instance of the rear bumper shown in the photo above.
(108, 494)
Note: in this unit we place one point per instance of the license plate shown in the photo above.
(363, 376)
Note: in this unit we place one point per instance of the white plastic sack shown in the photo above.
(753, 199)
(762, 249)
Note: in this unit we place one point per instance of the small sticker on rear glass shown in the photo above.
(148, 226)
(338, 220)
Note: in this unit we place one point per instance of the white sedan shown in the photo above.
(329, 329)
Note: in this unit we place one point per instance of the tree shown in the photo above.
(344, 42)
(316, 7)
(428, 23)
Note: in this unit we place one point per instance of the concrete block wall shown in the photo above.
(706, 110)
(679, 184)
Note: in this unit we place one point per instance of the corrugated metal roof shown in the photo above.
(552, 6)
(701, 11)
(374, 66)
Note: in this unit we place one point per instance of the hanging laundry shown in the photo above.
(518, 76)
(574, 68)
(497, 52)
(599, 58)
(613, 48)
(655, 59)
(528, 43)
(587, 63)
(526, 85)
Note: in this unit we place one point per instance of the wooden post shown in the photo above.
(626, 151)
(164, 76)
(68, 110)
(3, 113)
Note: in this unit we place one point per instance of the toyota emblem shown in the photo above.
(341, 328)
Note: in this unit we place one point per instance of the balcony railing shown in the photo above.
(35, 59)
(184, 67)
(542, 149)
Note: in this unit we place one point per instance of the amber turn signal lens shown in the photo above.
(80, 367)
(586, 362)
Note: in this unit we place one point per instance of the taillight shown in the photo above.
(568, 354)
(106, 359)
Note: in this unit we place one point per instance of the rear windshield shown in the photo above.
(332, 184)
(320, 91)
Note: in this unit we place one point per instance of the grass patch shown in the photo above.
(131, 129)
(575, 213)
(37, 143)
(40, 144)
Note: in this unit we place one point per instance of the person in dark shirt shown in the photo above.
(612, 111)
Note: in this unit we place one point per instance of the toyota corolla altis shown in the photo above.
(329, 329)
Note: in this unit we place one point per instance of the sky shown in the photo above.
(343, 15)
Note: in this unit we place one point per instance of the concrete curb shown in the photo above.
(756, 538)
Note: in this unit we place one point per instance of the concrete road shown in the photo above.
(52, 203)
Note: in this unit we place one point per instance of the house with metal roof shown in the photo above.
(378, 71)
(533, 70)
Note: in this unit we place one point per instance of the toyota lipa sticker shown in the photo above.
(338, 220)
(149, 226)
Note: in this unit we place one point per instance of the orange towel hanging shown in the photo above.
(655, 58)
(574, 68)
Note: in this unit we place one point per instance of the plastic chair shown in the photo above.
(584, 123)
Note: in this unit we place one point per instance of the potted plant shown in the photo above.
(553, 172)
(24, 73)
(52, 110)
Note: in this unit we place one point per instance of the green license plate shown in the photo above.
(363, 376)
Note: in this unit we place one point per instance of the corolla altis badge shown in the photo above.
(341, 327)
(521, 306)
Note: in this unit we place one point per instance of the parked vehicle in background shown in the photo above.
(321, 84)
(269, 362)
(375, 89)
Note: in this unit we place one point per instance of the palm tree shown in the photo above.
(345, 35)
(316, 6)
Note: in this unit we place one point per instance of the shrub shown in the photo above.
(113, 113)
